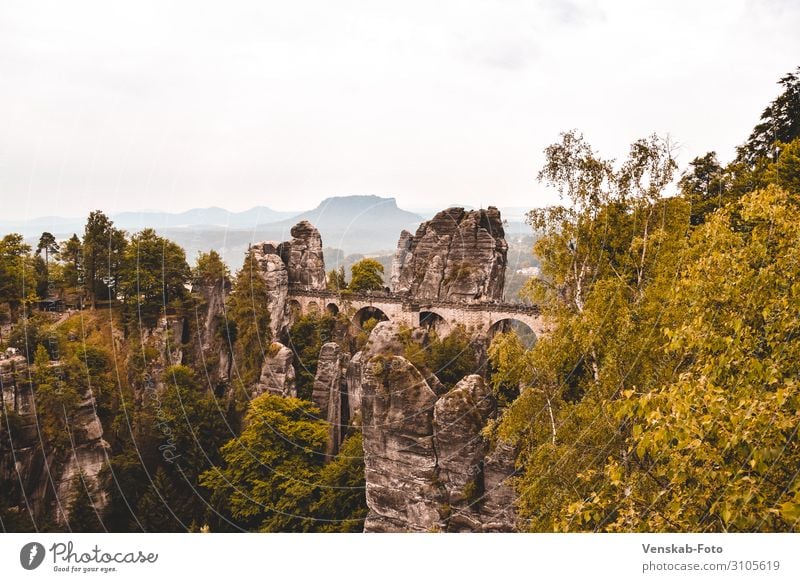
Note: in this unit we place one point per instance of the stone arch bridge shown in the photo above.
(483, 317)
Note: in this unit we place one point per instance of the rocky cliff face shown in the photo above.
(272, 269)
(303, 257)
(458, 255)
(428, 465)
(277, 372)
(295, 262)
(43, 484)
(330, 393)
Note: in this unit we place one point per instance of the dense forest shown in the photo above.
(664, 398)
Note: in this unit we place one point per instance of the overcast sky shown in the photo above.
(173, 105)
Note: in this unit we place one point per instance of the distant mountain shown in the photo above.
(133, 221)
(212, 216)
(352, 223)
(368, 225)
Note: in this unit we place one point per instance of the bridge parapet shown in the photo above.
(478, 316)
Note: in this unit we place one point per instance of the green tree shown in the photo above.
(56, 402)
(210, 269)
(306, 337)
(48, 244)
(17, 274)
(704, 186)
(449, 358)
(154, 274)
(246, 328)
(270, 472)
(713, 447)
(84, 516)
(780, 123)
(158, 509)
(366, 275)
(72, 256)
(785, 172)
(342, 503)
(608, 261)
(96, 244)
(336, 279)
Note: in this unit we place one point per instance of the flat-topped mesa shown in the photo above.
(458, 255)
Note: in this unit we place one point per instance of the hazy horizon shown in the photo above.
(183, 105)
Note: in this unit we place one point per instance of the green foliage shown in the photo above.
(366, 330)
(665, 397)
(72, 255)
(56, 402)
(104, 258)
(366, 275)
(336, 279)
(159, 508)
(780, 123)
(704, 186)
(714, 446)
(306, 338)
(342, 504)
(269, 475)
(246, 327)
(210, 269)
(83, 515)
(449, 358)
(154, 273)
(17, 274)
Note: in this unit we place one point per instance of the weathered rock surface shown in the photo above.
(355, 369)
(275, 275)
(277, 372)
(303, 257)
(458, 255)
(295, 262)
(330, 393)
(428, 465)
(41, 483)
(497, 509)
(211, 352)
(403, 493)
(458, 418)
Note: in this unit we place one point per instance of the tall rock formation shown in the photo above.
(330, 393)
(458, 255)
(275, 275)
(303, 257)
(428, 465)
(295, 262)
(277, 372)
(42, 482)
(403, 493)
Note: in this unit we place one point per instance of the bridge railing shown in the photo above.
(414, 304)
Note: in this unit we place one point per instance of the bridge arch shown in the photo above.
(369, 312)
(523, 329)
(332, 309)
(294, 308)
(312, 307)
(433, 321)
